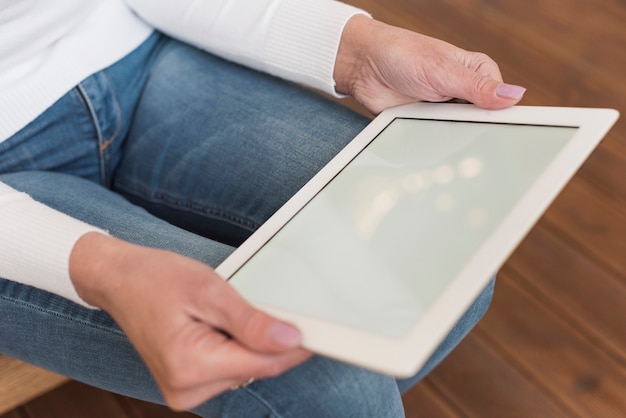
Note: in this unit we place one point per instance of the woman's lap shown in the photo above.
(216, 149)
(87, 345)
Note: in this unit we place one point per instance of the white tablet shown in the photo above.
(379, 255)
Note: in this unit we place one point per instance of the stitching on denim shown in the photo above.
(81, 99)
(94, 120)
(59, 315)
(118, 122)
(248, 390)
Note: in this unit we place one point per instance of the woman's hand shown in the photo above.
(383, 66)
(197, 336)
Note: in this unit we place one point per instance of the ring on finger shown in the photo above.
(243, 385)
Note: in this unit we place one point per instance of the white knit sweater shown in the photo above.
(49, 46)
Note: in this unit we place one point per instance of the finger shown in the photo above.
(238, 364)
(232, 359)
(223, 367)
(482, 90)
(489, 90)
(494, 94)
(225, 309)
(195, 395)
(482, 64)
(260, 331)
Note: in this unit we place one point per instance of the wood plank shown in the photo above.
(554, 23)
(574, 287)
(595, 225)
(140, 409)
(21, 382)
(16, 413)
(616, 146)
(481, 383)
(423, 400)
(605, 170)
(548, 350)
(76, 400)
(566, 60)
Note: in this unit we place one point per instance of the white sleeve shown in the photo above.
(293, 39)
(36, 243)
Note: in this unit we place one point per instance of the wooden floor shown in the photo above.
(553, 343)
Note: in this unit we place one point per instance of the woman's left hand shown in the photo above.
(383, 66)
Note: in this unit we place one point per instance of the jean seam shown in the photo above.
(60, 315)
(190, 206)
(94, 120)
(118, 122)
(262, 401)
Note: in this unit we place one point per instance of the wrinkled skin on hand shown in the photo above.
(383, 66)
(197, 336)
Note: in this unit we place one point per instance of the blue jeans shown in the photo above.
(174, 148)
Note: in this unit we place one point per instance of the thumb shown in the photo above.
(252, 327)
(261, 332)
(493, 94)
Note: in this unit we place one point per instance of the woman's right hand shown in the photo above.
(196, 334)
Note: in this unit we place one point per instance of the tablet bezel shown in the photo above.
(404, 357)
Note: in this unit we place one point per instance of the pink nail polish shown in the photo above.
(285, 334)
(510, 91)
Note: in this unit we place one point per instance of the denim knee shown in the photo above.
(319, 388)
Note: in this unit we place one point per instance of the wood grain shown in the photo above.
(21, 382)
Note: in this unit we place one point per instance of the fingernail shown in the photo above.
(510, 91)
(285, 334)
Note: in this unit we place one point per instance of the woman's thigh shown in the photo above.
(216, 148)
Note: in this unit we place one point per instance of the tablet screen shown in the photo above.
(376, 246)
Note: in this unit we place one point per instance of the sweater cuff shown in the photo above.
(36, 244)
(309, 57)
